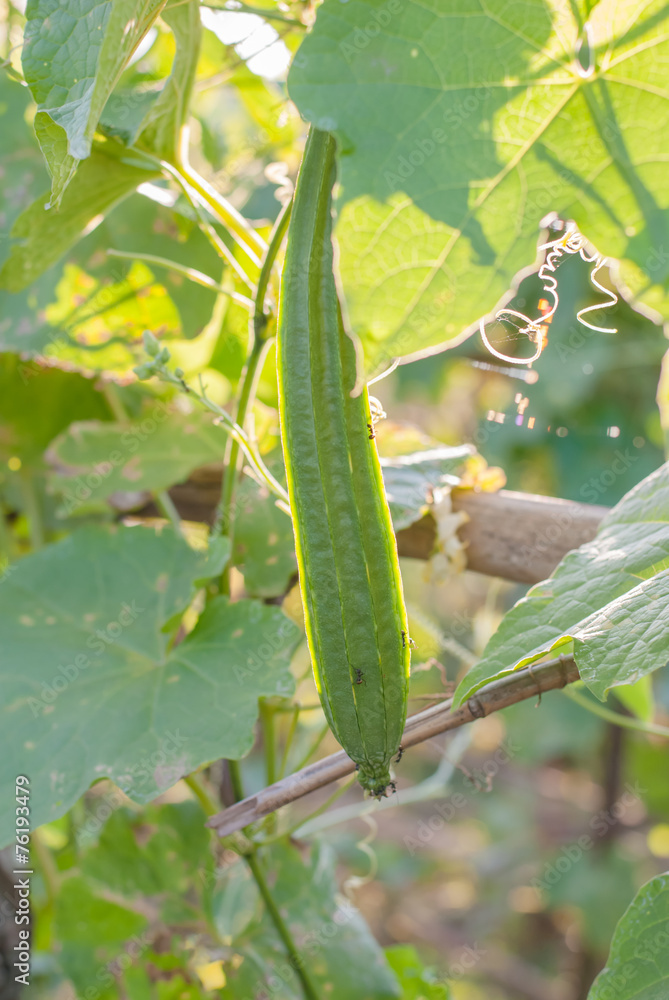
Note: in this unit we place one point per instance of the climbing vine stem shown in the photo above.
(625, 721)
(260, 344)
(280, 925)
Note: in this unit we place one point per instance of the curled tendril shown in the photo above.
(536, 330)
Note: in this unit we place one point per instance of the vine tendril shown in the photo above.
(570, 242)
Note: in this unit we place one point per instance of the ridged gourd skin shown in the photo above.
(346, 550)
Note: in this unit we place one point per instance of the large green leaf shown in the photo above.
(73, 54)
(610, 597)
(90, 312)
(92, 684)
(24, 176)
(460, 127)
(87, 312)
(95, 460)
(340, 954)
(638, 964)
(44, 234)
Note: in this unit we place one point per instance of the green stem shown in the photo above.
(114, 402)
(273, 910)
(7, 543)
(314, 706)
(245, 8)
(235, 772)
(47, 867)
(225, 515)
(281, 928)
(234, 430)
(32, 509)
(338, 792)
(260, 317)
(208, 230)
(201, 794)
(198, 277)
(289, 740)
(627, 722)
(269, 735)
(250, 241)
(165, 505)
(260, 344)
(314, 747)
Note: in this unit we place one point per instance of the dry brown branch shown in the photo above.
(516, 536)
(518, 686)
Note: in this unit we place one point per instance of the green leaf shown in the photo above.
(178, 846)
(83, 918)
(93, 932)
(342, 957)
(124, 113)
(626, 639)
(91, 312)
(638, 964)
(459, 129)
(264, 542)
(102, 692)
(161, 128)
(73, 54)
(229, 354)
(95, 460)
(416, 982)
(38, 403)
(44, 234)
(24, 175)
(610, 596)
(410, 480)
(235, 902)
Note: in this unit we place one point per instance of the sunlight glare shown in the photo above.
(255, 41)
